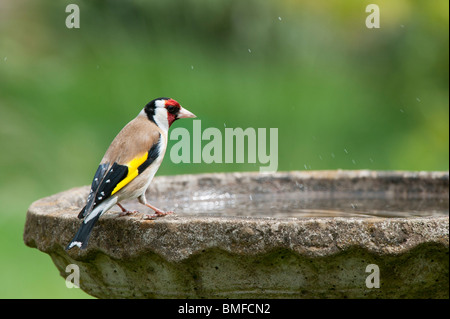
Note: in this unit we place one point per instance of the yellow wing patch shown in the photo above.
(132, 172)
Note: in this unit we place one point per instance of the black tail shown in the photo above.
(81, 238)
(81, 214)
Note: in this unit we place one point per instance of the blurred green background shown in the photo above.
(340, 94)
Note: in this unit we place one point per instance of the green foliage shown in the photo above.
(341, 95)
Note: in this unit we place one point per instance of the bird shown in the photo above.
(129, 165)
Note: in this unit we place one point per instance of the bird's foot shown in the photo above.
(157, 214)
(126, 212)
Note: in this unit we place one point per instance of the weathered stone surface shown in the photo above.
(231, 256)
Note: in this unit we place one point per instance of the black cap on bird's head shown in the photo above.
(166, 108)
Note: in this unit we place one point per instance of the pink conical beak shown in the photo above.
(183, 113)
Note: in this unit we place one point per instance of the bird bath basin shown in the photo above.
(249, 235)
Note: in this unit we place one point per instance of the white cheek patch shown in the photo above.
(161, 118)
(160, 103)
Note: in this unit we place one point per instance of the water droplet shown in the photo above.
(371, 160)
(418, 100)
(279, 18)
(345, 150)
(192, 67)
(249, 51)
(353, 161)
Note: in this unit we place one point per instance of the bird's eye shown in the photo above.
(171, 109)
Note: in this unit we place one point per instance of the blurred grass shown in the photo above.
(342, 96)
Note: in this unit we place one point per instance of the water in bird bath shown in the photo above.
(298, 206)
(303, 194)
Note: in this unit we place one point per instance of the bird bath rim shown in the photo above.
(124, 237)
(198, 256)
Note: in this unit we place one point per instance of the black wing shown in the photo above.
(105, 180)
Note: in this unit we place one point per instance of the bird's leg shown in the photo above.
(158, 212)
(125, 211)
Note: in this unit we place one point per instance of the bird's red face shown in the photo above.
(175, 111)
(164, 111)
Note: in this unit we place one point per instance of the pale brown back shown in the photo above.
(133, 141)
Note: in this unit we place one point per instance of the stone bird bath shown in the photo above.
(248, 235)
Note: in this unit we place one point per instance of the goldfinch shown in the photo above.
(129, 164)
